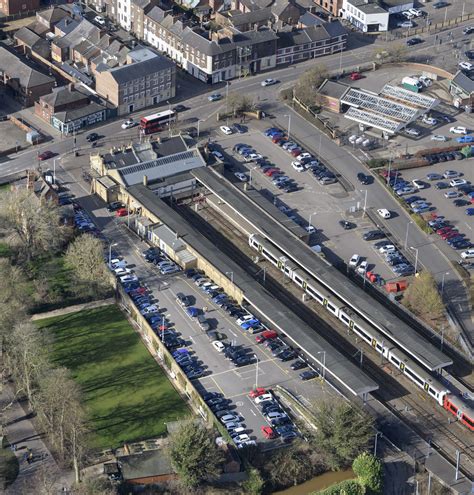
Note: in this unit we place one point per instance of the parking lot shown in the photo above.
(452, 209)
(221, 376)
(312, 204)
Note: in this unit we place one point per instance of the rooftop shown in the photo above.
(137, 70)
(145, 465)
(15, 68)
(77, 113)
(351, 294)
(63, 96)
(464, 82)
(333, 89)
(367, 8)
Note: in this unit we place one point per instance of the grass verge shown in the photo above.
(9, 466)
(128, 396)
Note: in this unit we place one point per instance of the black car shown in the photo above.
(308, 375)
(469, 54)
(179, 108)
(441, 185)
(290, 188)
(414, 41)
(240, 129)
(207, 396)
(346, 225)
(287, 355)
(440, 5)
(363, 179)
(298, 365)
(461, 202)
(462, 244)
(93, 136)
(372, 235)
(243, 361)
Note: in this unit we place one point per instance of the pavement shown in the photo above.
(21, 432)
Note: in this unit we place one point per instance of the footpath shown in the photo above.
(21, 433)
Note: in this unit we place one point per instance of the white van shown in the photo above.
(469, 253)
(384, 213)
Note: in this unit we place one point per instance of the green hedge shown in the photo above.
(347, 487)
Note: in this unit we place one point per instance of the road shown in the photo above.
(195, 95)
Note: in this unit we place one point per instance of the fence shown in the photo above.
(431, 29)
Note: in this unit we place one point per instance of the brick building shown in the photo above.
(13, 7)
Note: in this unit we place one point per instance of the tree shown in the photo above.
(422, 297)
(14, 297)
(28, 356)
(369, 471)
(342, 433)
(58, 404)
(398, 53)
(290, 466)
(308, 83)
(237, 103)
(254, 484)
(85, 256)
(194, 454)
(35, 223)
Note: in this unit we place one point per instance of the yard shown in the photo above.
(128, 396)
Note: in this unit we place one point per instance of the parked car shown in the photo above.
(373, 235)
(354, 261)
(308, 375)
(458, 130)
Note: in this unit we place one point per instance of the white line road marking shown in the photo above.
(253, 412)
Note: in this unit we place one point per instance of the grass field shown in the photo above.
(127, 394)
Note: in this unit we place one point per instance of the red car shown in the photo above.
(277, 139)
(355, 76)
(296, 152)
(46, 155)
(442, 230)
(257, 392)
(393, 173)
(272, 171)
(447, 235)
(122, 212)
(268, 432)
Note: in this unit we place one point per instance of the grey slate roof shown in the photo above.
(15, 68)
(256, 4)
(66, 25)
(52, 15)
(335, 28)
(137, 70)
(26, 36)
(309, 19)
(142, 4)
(156, 14)
(333, 89)
(63, 96)
(237, 18)
(80, 112)
(85, 30)
(464, 82)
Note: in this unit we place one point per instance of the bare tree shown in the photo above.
(93, 486)
(34, 222)
(27, 354)
(309, 82)
(86, 258)
(13, 296)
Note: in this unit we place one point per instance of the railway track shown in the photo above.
(409, 404)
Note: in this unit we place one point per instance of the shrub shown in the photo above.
(369, 471)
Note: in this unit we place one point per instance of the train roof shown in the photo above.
(343, 371)
(351, 294)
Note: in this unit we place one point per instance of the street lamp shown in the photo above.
(289, 124)
(406, 235)
(324, 363)
(250, 175)
(110, 250)
(199, 121)
(309, 221)
(375, 445)
(256, 372)
(442, 284)
(365, 202)
(416, 257)
(231, 276)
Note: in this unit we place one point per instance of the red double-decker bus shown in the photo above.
(157, 121)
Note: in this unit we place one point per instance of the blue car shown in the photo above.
(193, 312)
(465, 139)
(470, 211)
(219, 297)
(267, 132)
(250, 324)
